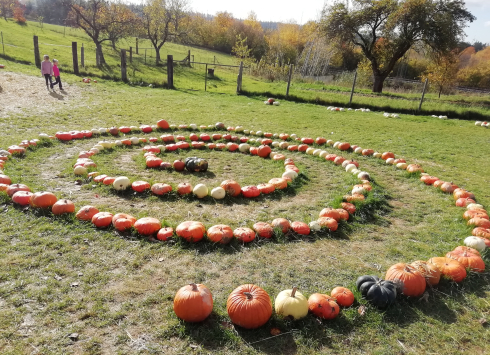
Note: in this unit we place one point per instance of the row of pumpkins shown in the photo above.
(482, 124)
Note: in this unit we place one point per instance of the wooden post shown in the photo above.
(170, 71)
(189, 55)
(353, 87)
(130, 54)
(137, 45)
(75, 57)
(124, 74)
(145, 55)
(206, 78)
(239, 79)
(291, 67)
(37, 57)
(82, 56)
(423, 94)
(3, 46)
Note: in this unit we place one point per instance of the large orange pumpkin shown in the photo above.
(279, 183)
(281, 223)
(468, 260)
(330, 212)
(140, 186)
(323, 306)
(191, 231)
(481, 232)
(479, 222)
(43, 199)
(464, 249)
(22, 198)
(147, 225)
(12, 189)
(4, 179)
(264, 151)
(102, 219)
(429, 271)
(193, 303)
(86, 213)
(300, 228)
(160, 188)
(412, 281)
(387, 155)
(344, 215)
(449, 268)
(349, 207)
(123, 221)
(249, 306)
(220, 233)
(344, 146)
(244, 234)
(62, 207)
(231, 187)
(263, 229)
(328, 222)
(343, 295)
(266, 188)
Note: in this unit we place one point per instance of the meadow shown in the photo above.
(60, 276)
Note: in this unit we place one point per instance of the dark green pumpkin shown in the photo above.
(379, 292)
(195, 164)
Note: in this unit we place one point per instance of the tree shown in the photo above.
(442, 71)
(385, 30)
(19, 14)
(122, 23)
(7, 8)
(165, 20)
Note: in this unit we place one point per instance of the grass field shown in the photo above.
(59, 276)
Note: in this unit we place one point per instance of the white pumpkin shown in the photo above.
(275, 144)
(118, 143)
(478, 123)
(95, 150)
(80, 170)
(283, 145)
(121, 183)
(162, 148)
(246, 131)
(350, 167)
(135, 128)
(364, 176)
(355, 171)
(323, 154)
(239, 129)
(293, 136)
(218, 193)
(244, 148)
(358, 150)
(316, 152)
(276, 103)
(475, 243)
(43, 135)
(252, 133)
(172, 126)
(251, 140)
(193, 126)
(259, 133)
(291, 303)
(358, 190)
(310, 151)
(336, 144)
(106, 144)
(95, 131)
(402, 166)
(275, 135)
(98, 146)
(272, 155)
(134, 140)
(200, 190)
(330, 142)
(390, 161)
(473, 206)
(290, 174)
(315, 226)
(377, 155)
(102, 130)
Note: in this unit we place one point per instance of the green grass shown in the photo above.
(59, 276)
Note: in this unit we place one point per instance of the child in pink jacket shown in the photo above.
(47, 71)
(56, 72)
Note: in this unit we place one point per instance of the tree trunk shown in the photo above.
(100, 55)
(378, 83)
(113, 41)
(440, 91)
(157, 55)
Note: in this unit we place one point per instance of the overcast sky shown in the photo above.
(301, 11)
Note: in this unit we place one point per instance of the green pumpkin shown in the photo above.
(195, 164)
(379, 292)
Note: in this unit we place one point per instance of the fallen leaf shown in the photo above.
(361, 310)
(275, 331)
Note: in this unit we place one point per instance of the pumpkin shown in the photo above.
(184, 188)
(86, 213)
(477, 212)
(266, 188)
(140, 186)
(110, 180)
(387, 155)
(121, 183)
(428, 180)
(479, 222)
(163, 124)
(314, 226)
(328, 222)
(160, 188)
(249, 306)
(165, 233)
(218, 193)
(250, 191)
(291, 303)
(43, 199)
(62, 207)
(22, 198)
(464, 202)
(462, 193)
(430, 272)
(4, 179)
(367, 152)
(244, 235)
(193, 303)
(3, 187)
(468, 260)
(344, 215)
(450, 268)
(475, 243)
(147, 225)
(263, 151)
(12, 189)
(349, 207)
(463, 249)
(379, 292)
(191, 231)
(481, 232)
(330, 212)
(448, 187)
(412, 281)
(263, 229)
(100, 178)
(300, 228)
(123, 221)
(282, 224)
(231, 187)
(354, 197)
(323, 306)
(195, 164)
(344, 296)
(153, 162)
(220, 233)
(279, 183)
(102, 219)
(344, 146)
(200, 190)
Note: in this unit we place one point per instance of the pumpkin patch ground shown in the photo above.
(60, 276)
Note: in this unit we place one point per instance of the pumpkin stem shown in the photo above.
(293, 292)
(194, 286)
(249, 295)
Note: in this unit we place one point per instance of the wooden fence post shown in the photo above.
(37, 57)
(239, 79)
(130, 54)
(206, 78)
(3, 46)
(82, 56)
(423, 94)
(291, 68)
(145, 55)
(170, 71)
(137, 45)
(353, 87)
(124, 74)
(75, 57)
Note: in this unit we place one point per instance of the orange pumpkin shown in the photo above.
(330, 212)
(86, 213)
(328, 222)
(220, 233)
(165, 233)
(428, 180)
(12, 189)
(323, 306)
(263, 229)
(367, 152)
(191, 231)
(249, 306)
(343, 296)
(100, 178)
(413, 168)
(102, 219)
(412, 281)
(344, 146)
(266, 188)
(193, 303)
(250, 191)
(281, 223)
(449, 268)
(479, 222)
(184, 188)
(481, 232)
(140, 186)
(231, 187)
(478, 212)
(123, 221)
(43, 199)
(300, 228)
(339, 160)
(22, 198)
(160, 188)
(448, 187)
(354, 197)
(344, 215)
(244, 235)
(62, 207)
(147, 225)
(109, 180)
(3, 187)
(438, 183)
(464, 249)
(288, 161)
(279, 157)
(429, 271)
(279, 183)
(462, 193)
(264, 151)
(387, 155)
(4, 179)
(349, 207)
(468, 260)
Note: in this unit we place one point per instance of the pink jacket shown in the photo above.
(46, 68)
(56, 71)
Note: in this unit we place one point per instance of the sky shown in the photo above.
(304, 10)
